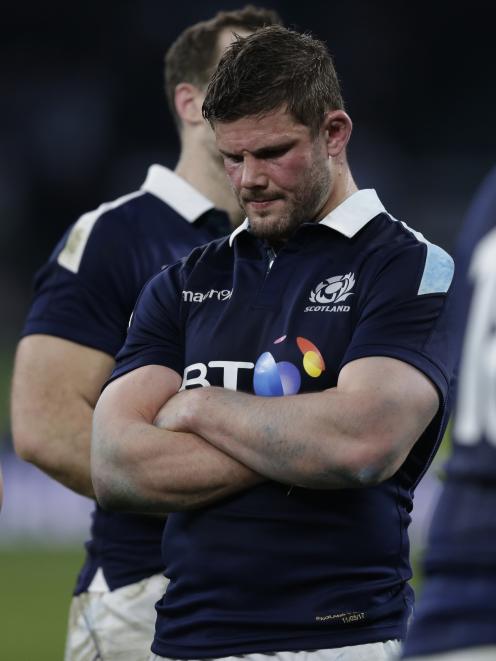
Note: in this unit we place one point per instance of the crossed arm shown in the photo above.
(55, 387)
(136, 466)
(149, 456)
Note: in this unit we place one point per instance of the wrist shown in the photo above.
(194, 412)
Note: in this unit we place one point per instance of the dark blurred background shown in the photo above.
(83, 115)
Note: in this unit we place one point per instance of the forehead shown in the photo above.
(258, 131)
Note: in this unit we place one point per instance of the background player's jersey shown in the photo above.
(458, 604)
(474, 432)
(86, 293)
(278, 567)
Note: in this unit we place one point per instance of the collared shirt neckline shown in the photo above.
(348, 218)
(176, 192)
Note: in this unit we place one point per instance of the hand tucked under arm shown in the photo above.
(354, 435)
(137, 466)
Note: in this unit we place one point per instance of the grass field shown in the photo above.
(35, 590)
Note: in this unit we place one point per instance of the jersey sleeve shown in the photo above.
(156, 332)
(406, 313)
(86, 291)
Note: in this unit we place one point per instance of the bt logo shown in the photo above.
(270, 378)
(274, 379)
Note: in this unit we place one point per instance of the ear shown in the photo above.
(188, 101)
(337, 126)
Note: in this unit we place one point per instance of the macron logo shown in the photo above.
(200, 297)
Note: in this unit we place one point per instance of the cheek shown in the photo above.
(233, 173)
(290, 174)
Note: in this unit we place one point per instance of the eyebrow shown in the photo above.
(264, 152)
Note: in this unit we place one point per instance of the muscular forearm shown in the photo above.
(54, 390)
(138, 467)
(55, 435)
(281, 438)
(65, 454)
(356, 434)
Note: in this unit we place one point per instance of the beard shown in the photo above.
(289, 212)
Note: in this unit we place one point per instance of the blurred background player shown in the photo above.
(456, 616)
(83, 300)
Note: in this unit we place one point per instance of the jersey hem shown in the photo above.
(81, 587)
(326, 641)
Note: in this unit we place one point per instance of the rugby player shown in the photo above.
(312, 353)
(456, 617)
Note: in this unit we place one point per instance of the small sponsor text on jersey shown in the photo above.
(200, 297)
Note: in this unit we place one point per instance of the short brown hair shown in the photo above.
(274, 67)
(192, 58)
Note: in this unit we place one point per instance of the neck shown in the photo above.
(343, 186)
(204, 171)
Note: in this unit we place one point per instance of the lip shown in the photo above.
(261, 204)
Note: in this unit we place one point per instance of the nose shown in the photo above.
(253, 174)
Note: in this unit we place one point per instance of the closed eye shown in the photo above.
(265, 153)
(233, 158)
(273, 152)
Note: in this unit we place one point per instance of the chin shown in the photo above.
(271, 228)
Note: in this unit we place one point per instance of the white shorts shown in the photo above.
(388, 651)
(114, 626)
(486, 653)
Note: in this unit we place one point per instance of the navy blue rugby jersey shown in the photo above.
(278, 567)
(86, 293)
(458, 605)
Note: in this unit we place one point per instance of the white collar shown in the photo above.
(348, 218)
(241, 228)
(176, 192)
(354, 213)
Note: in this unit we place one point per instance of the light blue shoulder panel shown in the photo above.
(438, 271)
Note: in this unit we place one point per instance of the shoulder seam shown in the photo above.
(72, 253)
(439, 266)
